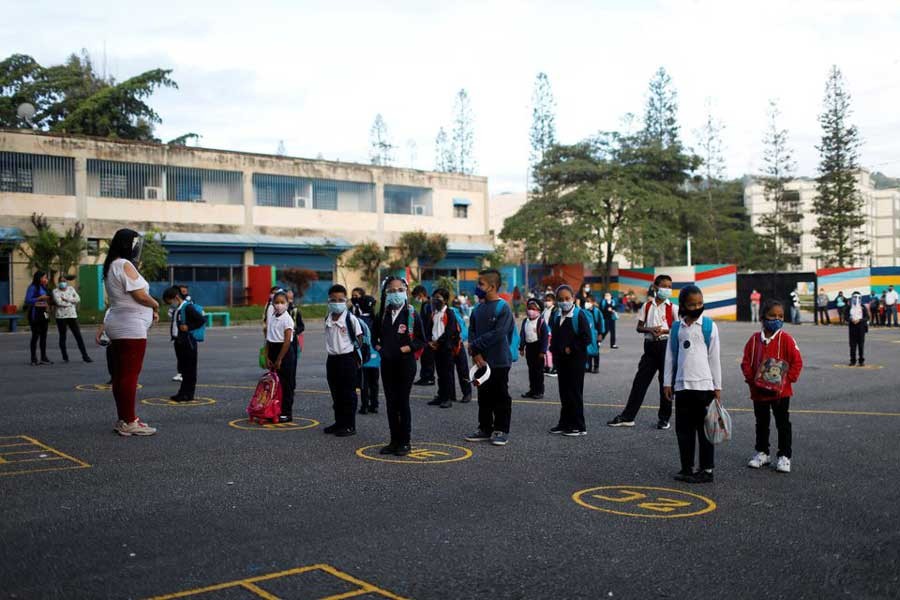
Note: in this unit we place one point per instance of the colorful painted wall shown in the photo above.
(867, 281)
(718, 283)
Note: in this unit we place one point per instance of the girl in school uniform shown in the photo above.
(549, 308)
(533, 345)
(398, 336)
(569, 349)
(695, 376)
(772, 359)
(280, 352)
(592, 365)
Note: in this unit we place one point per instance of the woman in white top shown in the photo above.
(66, 301)
(131, 313)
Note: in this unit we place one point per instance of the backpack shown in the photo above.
(198, 334)
(463, 328)
(592, 349)
(411, 328)
(670, 316)
(599, 321)
(513, 337)
(706, 325)
(458, 347)
(265, 404)
(363, 349)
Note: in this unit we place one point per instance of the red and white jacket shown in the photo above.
(758, 349)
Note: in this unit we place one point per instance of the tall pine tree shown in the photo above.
(463, 135)
(443, 155)
(781, 222)
(838, 205)
(543, 120)
(380, 146)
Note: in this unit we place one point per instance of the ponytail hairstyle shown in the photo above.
(379, 320)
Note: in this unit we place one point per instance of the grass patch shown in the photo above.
(240, 315)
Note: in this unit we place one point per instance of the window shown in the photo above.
(113, 186)
(188, 187)
(461, 212)
(93, 246)
(182, 274)
(325, 275)
(435, 274)
(325, 195)
(209, 273)
(37, 174)
(405, 200)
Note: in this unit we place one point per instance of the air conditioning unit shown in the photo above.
(302, 202)
(419, 210)
(153, 193)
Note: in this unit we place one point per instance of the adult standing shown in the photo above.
(610, 316)
(795, 307)
(131, 313)
(822, 317)
(66, 300)
(755, 299)
(37, 303)
(890, 306)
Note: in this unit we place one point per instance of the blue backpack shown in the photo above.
(198, 334)
(597, 317)
(592, 349)
(368, 356)
(706, 325)
(513, 337)
(463, 328)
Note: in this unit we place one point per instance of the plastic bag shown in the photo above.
(262, 358)
(717, 424)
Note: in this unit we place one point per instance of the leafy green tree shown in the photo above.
(712, 171)
(661, 111)
(368, 258)
(838, 205)
(41, 249)
(782, 223)
(154, 256)
(421, 248)
(72, 245)
(540, 232)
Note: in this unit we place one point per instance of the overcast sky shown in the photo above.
(314, 74)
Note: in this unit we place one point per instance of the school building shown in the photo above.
(220, 211)
(880, 206)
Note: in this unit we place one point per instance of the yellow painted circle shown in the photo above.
(425, 453)
(97, 387)
(198, 401)
(645, 502)
(297, 424)
(862, 368)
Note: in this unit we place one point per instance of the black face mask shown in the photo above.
(354, 301)
(437, 304)
(693, 314)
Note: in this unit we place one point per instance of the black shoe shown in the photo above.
(684, 475)
(87, 359)
(435, 402)
(446, 404)
(176, 397)
(852, 363)
(109, 382)
(402, 450)
(614, 347)
(558, 429)
(663, 424)
(374, 410)
(424, 382)
(363, 411)
(537, 396)
(332, 428)
(528, 395)
(46, 361)
(345, 432)
(618, 421)
(285, 419)
(862, 362)
(65, 360)
(389, 449)
(595, 370)
(701, 477)
(466, 399)
(35, 363)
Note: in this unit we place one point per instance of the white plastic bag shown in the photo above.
(717, 424)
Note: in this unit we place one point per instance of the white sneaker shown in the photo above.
(138, 427)
(783, 465)
(177, 377)
(760, 459)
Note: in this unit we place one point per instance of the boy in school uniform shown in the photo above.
(444, 340)
(280, 355)
(426, 361)
(343, 363)
(547, 315)
(695, 379)
(657, 316)
(364, 310)
(533, 345)
(490, 328)
(185, 318)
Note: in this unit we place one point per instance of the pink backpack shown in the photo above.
(266, 401)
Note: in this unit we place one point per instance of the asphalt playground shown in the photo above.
(212, 507)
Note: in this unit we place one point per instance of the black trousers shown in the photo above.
(822, 315)
(61, 326)
(109, 360)
(570, 378)
(287, 376)
(611, 331)
(857, 341)
(535, 368)
(494, 402)
(592, 362)
(39, 327)
(342, 371)
(443, 366)
(653, 362)
(461, 362)
(780, 408)
(369, 388)
(426, 369)
(186, 353)
(690, 412)
(397, 376)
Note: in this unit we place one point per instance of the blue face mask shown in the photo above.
(337, 308)
(664, 293)
(566, 306)
(773, 325)
(396, 299)
(63, 285)
(480, 293)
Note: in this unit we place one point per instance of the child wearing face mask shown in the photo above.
(533, 345)
(444, 334)
(549, 308)
(610, 316)
(343, 362)
(185, 318)
(280, 352)
(857, 316)
(592, 365)
(771, 365)
(569, 347)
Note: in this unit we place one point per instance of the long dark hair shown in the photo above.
(381, 305)
(36, 280)
(121, 246)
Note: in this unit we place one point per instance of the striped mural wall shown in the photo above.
(867, 281)
(718, 283)
(882, 277)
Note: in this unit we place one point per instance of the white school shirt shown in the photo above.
(531, 332)
(337, 338)
(277, 325)
(437, 324)
(656, 317)
(173, 313)
(699, 367)
(548, 312)
(891, 297)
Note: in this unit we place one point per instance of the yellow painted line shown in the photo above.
(350, 594)
(367, 586)
(221, 586)
(661, 504)
(13, 445)
(259, 591)
(57, 455)
(422, 450)
(49, 458)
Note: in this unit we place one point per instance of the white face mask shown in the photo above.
(279, 307)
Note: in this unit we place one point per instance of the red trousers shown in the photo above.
(127, 361)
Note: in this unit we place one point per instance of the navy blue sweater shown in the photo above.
(489, 332)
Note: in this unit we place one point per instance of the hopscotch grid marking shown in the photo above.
(78, 464)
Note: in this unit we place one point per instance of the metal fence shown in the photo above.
(140, 181)
(37, 174)
(321, 194)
